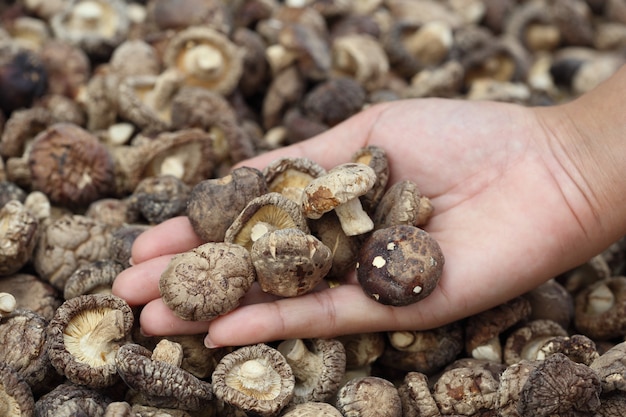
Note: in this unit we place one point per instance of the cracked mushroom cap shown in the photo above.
(318, 365)
(215, 203)
(18, 232)
(16, 397)
(289, 262)
(96, 26)
(206, 58)
(577, 347)
(159, 379)
(65, 244)
(263, 214)
(71, 400)
(70, 165)
(559, 386)
(339, 190)
(600, 309)
(256, 379)
(208, 281)
(85, 335)
(369, 396)
(399, 265)
(289, 176)
(24, 347)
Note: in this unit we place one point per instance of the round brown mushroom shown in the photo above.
(318, 366)
(32, 294)
(399, 265)
(333, 101)
(268, 212)
(466, 390)
(18, 232)
(207, 281)
(339, 190)
(376, 158)
(22, 76)
(312, 409)
(159, 379)
(256, 379)
(361, 57)
(159, 198)
(368, 397)
(600, 307)
(16, 397)
(70, 165)
(577, 347)
(551, 301)
(70, 400)
(215, 203)
(289, 262)
(85, 335)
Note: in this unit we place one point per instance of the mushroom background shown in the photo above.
(116, 115)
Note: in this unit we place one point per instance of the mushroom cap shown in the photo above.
(559, 386)
(600, 309)
(31, 293)
(339, 185)
(362, 349)
(22, 76)
(289, 262)
(85, 335)
(611, 368)
(207, 281)
(376, 158)
(402, 203)
(525, 342)
(319, 366)
(159, 198)
(465, 390)
(344, 248)
(215, 203)
(21, 127)
(18, 231)
(270, 211)
(312, 409)
(417, 401)
(94, 277)
(369, 396)
(17, 396)
(70, 400)
(289, 176)
(70, 165)
(399, 265)
(161, 384)
(255, 378)
(551, 301)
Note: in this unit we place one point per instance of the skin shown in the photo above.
(520, 194)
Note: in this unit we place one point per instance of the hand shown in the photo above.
(507, 217)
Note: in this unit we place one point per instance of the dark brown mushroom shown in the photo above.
(369, 396)
(577, 347)
(122, 239)
(16, 397)
(160, 382)
(93, 278)
(70, 165)
(263, 214)
(18, 232)
(526, 341)
(483, 331)
(256, 379)
(600, 307)
(402, 203)
(67, 66)
(21, 128)
(207, 281)
(289, 262)
(318, 366)
(334, 101)
(215, 203)
(84, 337)
(466, 390)
(22, 77)
(426, 351)
(399, 265)
(32, 294)
(559, 386)
(285, 90)
(159, 198)
(611, 369)
(376, 158)
(551, 301)
(24, 347)
(70, 400)
(339, 190)
(66, 243)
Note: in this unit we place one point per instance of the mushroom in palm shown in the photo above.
(289, 262)
(339, 190)
(256, 379)
(207, 281)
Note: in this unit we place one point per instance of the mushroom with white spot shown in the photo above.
(256, 379)
(599, 309)
(339, 190)
(399, 265)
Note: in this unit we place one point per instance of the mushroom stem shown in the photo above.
(401, 340)
(7, 303)
(600, 300)
(304, 363)
(166, 85)
(491, 350)
(168, 352)
(354, 220)
(255, 375)
(203, 60)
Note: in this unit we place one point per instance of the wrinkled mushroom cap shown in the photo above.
(18, 231)
(256, 379)
(207, 281)
(16, 397)
(399, 265)
(84, 336)
(289, 262)
(369, 396)
(70, 165)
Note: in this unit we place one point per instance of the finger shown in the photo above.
(157, 319)
(330, 148)
(174, 235)
(139, 284)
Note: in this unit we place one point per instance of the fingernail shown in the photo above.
(209, 343)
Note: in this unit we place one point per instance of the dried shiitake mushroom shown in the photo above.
(356, 397)
(70, 400)
(18, 233)
(207, 281)
(399, 265)
(22, 76)
(16, 397)
(289, 176)
(256, 379)
(93, 278)
(158, 198)
(599, 309)
(417, 400)
(31, 293)
(85, 335)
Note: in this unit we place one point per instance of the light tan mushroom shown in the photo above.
(368, 397)
(361, 57)
(18, 232)
(16, 397)
(289, 176)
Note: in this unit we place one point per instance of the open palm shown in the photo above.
(506, 214)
